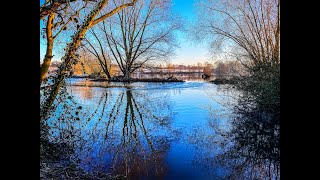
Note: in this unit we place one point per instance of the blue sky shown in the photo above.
(188, 52)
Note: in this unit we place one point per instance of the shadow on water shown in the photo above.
(248, 149)
(121, 133)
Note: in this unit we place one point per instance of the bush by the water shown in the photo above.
(262, 88)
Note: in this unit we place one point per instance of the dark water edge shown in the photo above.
(141, 80)
(159, 131)
(223, 81)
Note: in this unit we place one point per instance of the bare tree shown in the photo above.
(221, 70)
(88, 64)
(54, 6)
(56, 22)
(140, 35)
(70, 56)
(98, 50)
(252, 27)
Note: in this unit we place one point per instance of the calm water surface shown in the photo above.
(144, 130)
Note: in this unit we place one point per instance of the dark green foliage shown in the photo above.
(262, 88)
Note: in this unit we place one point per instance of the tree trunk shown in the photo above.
(63, 69)
(127, 75)
(107, 72)
(45, 66)
(70, 53)
(47, 58)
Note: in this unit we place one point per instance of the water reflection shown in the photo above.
(122, 132)
(145, 131)
(182, 76)
(255, 153)
(248, 149)
(86, 93)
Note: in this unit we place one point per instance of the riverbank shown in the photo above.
(172, 79)
(56, 170)
(120, 79)
(223, 81)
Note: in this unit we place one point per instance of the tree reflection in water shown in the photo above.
(126, 133)
(255, 153)
(248, 148)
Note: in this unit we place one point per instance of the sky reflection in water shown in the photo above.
(148, 130)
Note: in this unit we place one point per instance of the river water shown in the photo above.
(145, 130)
